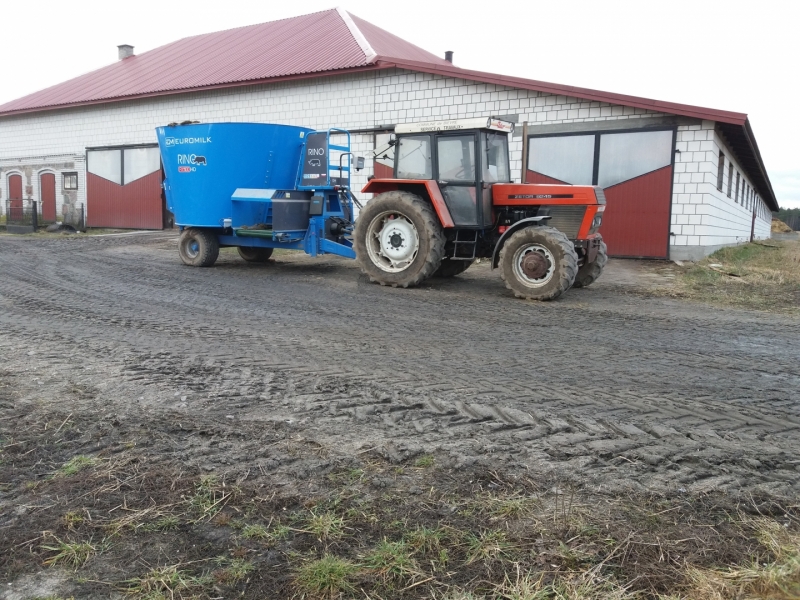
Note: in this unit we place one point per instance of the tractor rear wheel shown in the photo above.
(451, 268)
(538, 263)
(198, 248)
(398, 240)
(254, 253)
(589, 273)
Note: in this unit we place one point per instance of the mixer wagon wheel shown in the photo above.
(538, 263)
(451, 268)
(198, 248)
(398, 239)
(588, 274)
(254, 254)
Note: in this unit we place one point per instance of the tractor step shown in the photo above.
(465, 244)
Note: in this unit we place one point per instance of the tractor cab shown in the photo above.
(465, 157)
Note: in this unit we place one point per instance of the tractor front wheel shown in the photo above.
(538, 263)
(254, 253)
(398, 239)
(589, 273)
(198, 248)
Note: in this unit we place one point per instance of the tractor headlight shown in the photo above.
(596, 222)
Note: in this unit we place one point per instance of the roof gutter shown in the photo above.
(751, 139)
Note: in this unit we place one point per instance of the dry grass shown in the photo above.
(775, 576)
(761, 276)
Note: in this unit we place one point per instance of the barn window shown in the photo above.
(738, 180)
(624, 156)
(730, 178)
(70, 181)
(567, 159)
(720, 170)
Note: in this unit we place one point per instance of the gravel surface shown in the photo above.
(607, 388)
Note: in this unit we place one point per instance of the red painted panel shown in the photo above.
(382, 171)
(137, 205)
(636, 221)
(48, 196)
(536, 177)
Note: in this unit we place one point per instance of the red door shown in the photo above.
(636, 221)
(48, 193)
(15, 196)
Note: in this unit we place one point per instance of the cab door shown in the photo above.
(457, 175)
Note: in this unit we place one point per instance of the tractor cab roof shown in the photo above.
(455, 125)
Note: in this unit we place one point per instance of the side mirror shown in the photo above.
(358, 162)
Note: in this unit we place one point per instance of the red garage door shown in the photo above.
(635, 170)
(123, 188)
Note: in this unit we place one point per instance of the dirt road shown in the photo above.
(607, 388)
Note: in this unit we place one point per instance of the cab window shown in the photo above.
(495, 163)
(456, 158)
(414, 157)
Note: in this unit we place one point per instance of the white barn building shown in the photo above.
(681, 181)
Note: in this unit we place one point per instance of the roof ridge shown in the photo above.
(357, 34)
(188, 37)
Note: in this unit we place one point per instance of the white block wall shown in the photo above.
(701, 214)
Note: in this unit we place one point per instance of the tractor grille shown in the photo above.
(566, 219)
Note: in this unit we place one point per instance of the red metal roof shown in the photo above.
(316, 43)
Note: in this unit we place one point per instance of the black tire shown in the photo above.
(406, 226)
(451, 268)
(556, 254)
(254, 254)
(589, 273)
(198, 248)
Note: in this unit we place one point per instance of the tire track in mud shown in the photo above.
(573, 388)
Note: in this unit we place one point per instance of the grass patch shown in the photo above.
(233, 570)
(761, 276)
(426, 540)
(327, 577)
(254, 532)
(392, 560)
(209, 497)
(69, 554)
(326, 525)
(73, 519)
(167, 582)
(424, 462)
(488, 544)
(163, 524)
(74, 465)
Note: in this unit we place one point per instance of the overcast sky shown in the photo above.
(731, 55)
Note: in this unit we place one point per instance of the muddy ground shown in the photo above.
(278, 377)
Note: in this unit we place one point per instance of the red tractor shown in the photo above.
(451, 201)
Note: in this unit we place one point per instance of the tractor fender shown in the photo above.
(510, 231)
(430, 187)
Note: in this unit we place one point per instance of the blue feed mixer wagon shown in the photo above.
(258, 187)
